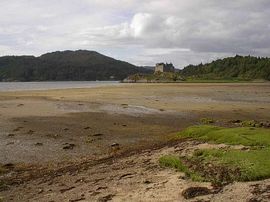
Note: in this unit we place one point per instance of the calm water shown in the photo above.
(22, 86)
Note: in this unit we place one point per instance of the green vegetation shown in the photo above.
(78, 65)
(175, 162)
(206, 120)
(253, 164)
(89, 65)
(235, 69)
(232, 69)
(249, 123)
(156, 77)
(228, 164)
(234, 136)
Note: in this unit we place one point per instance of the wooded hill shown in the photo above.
(78, 65)
(238, 67)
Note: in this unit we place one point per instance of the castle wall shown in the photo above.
(164, 68)
(159, 68)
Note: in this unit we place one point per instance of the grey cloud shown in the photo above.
(205, 29)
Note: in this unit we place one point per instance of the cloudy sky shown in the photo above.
(142, 32)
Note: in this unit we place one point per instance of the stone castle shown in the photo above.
(162, 67)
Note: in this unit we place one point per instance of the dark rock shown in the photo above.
(98, 134)
(100, 188)
(66, 189)
(39, 144)
(236, 121)
(17, 129)
(11, 135)
(192, 192)
(30, 132)
(106, 198)
(127, 175)
(147, 182)
(9, 166)
(69, 146)
(115, 145)
(78, 199)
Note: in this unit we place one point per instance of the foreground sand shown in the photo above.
(68, 132)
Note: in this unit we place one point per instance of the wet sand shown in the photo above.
(36, 125)
(52, 127)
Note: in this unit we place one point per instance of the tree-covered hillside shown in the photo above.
(238, 67)
(65, 66)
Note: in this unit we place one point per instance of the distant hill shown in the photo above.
(81, 65)
(238, 67)
(152, 68)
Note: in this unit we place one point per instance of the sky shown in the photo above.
(142, 32)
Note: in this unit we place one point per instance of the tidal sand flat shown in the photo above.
(88, 144)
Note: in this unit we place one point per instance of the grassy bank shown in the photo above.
(175, 162)
(226, 165)
(247, 136)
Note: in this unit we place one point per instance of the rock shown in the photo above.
(78, 199)
(127, 175)
(98, 134)
(40, 191)
(236, 121)
(147, 182)
(192, 192)
(66, 189)
(30, 132)
(11, 135)
(39, 144)
(9, 166)
(115, 145)
(106, 198)
(69, 146)
(99, 188)
(17, 129)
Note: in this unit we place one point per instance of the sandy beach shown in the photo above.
(52, 138)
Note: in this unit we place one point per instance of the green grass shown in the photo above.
(247, 136)
(253, 164)
(176, 163)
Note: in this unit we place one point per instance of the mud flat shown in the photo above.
(88, 144)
